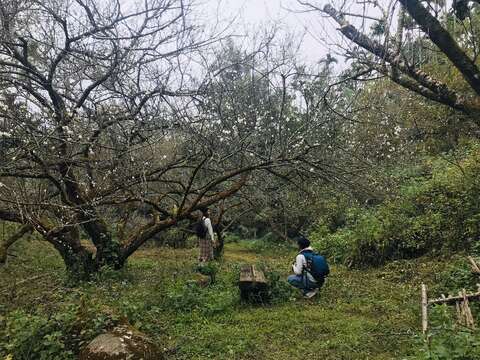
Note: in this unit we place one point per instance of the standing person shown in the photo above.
(205, 236)
(310, 270)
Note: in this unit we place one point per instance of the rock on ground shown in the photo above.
(123, 343)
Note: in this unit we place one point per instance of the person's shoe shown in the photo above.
(310, 294)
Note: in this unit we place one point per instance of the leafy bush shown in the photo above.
(58, 336)
(261, 245)
(334, 246)
(432, 212)
(231, 237)
(31, 336)
(447, 340)
(209, 269)
(279, 290)
(456, 275)
(219, 297)
(190, 297)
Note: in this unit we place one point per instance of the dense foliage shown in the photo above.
(435, 209)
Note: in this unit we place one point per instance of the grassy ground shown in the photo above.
(371, 314)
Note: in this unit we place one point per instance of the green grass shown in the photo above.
(372, 314)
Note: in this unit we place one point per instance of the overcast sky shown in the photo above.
(250, 15)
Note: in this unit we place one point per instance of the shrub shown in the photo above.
(279, 290)
(190, 297)
(209, 269)
(334, 246)
(447, 340)
(429, 213)
(231, 237)
(58, 336)
(261, 245)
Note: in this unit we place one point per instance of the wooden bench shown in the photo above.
(252, 284)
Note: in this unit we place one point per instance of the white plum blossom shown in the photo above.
(67, 130)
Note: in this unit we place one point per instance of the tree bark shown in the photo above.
(79, 260)
(218, 249)
(108, 249)
(80, 264)
(442, 38)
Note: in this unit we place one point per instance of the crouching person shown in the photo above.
(310, 270)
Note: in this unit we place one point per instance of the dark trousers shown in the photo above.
(301, 282)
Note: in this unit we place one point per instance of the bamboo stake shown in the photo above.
(459, 312)
(424, 309)
(468, 313)
(462, 310)
(475, 268)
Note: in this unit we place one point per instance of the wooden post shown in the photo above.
(424, 309)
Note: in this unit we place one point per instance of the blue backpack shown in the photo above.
(316, 265)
